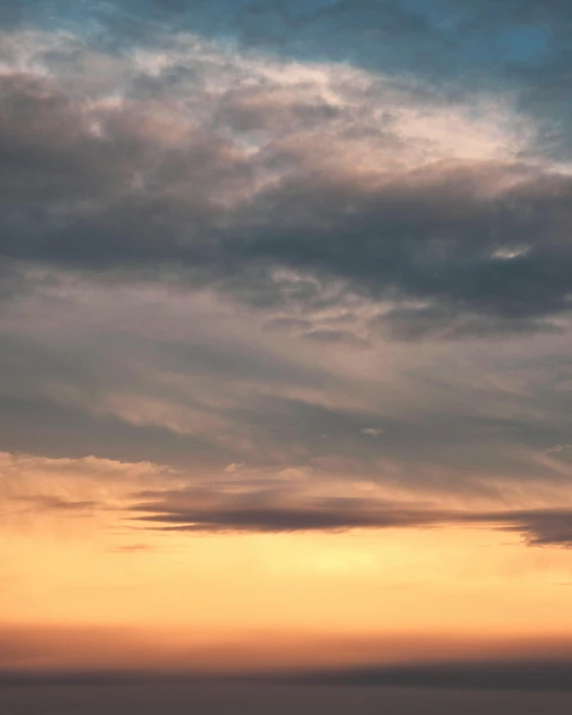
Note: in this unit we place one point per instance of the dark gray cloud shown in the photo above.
(525, 674)
(542, 527)
(336, 337)
(272, 510)
(442, 322)
(94, 694)
(119, 197)
(435, 241)
(284, 509)
(507, 675)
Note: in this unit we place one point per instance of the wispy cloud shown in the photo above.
(283, 509)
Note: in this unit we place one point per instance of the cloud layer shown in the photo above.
(287, 509)
(290, 185)
(220, 248)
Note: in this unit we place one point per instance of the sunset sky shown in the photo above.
(285, 333)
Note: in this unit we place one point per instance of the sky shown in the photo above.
(285, 335)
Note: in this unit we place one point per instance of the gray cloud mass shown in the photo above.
(282, 510)
(110, 188)
(222, 248)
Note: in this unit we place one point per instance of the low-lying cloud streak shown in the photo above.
(279, 510)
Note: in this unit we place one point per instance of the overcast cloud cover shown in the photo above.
(328, 240)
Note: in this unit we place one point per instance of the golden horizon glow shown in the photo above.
(200, 600)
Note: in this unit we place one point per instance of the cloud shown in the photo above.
(541, 527)
(132, 549)
(278, 508)
(147, 373)
(226, 167)
(265, 512)
(542, 674)
(504, 675)
(34, 489)
(46, 502)
(442, 323)
(336, 337)
(200, 238)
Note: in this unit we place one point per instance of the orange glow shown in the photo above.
(165, 600)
